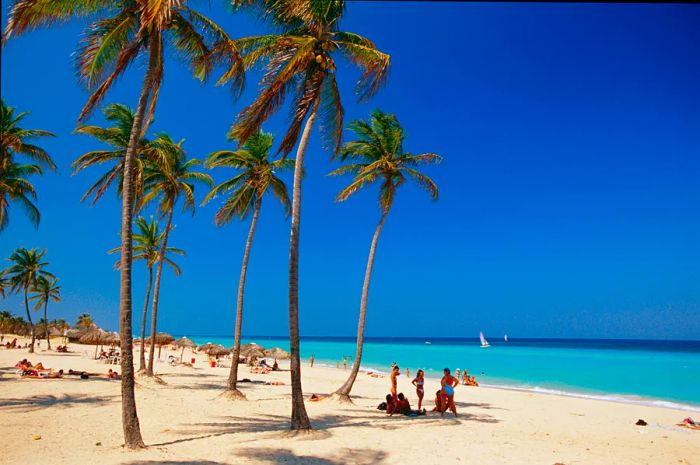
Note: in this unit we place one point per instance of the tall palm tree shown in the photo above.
(84, 321)
(300, 60)
(147, 243)
(379, 157)
(122, 32)
(45, 289)
(166, 183)
(257, 176)
(24, 273)
(14, 185)
(117, 137)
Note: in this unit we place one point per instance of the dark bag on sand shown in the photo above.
(381, 406)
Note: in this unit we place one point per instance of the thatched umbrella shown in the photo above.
(184, 342)
(96, 337)
(205, 347)
(162, 339)
(74, 335)
(218, 350)
(245, 348)
(113, 339)
(277, 353)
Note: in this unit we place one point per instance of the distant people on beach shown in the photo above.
(457, 374)
(448, 383)
(408, 373)
(345, 363)
(419, 382)
(311, 361)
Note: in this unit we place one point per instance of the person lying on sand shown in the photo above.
(42, 375)
(113, 374)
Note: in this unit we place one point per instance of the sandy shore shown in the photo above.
(79, 421)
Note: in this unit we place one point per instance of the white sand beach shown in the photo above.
(79, 421)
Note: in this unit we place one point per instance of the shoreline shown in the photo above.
(186, 421)
(592, 395)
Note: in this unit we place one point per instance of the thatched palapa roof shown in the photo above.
(184, 342)
(161, 339)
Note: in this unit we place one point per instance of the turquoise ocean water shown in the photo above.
(652, 372)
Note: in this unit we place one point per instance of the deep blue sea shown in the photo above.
(646, 371)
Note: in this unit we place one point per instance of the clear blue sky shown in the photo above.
(570, 190)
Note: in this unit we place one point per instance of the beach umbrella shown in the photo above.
(254, 353)
(161, 340)
(277, 353)
(94, 337)
(184, 342)
(217, 350)
(246, 348)
(113, 339)
(205, 347)
(74, 335)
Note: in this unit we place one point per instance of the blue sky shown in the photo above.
(570, 184)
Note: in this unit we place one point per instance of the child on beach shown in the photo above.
(438, 401)
(418, 382)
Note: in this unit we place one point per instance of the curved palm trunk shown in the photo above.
(46, 325)
(130, 419)
(233, 374)
(300, 420)
(29, 318)
(344, 391)
(144, 315)
(156, 295)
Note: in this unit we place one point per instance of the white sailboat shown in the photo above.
(505, 338)
(484, 342)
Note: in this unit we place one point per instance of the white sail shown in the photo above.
(505, 338)
(484, 342)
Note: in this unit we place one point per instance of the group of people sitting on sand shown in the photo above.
(263, 368)
(444, 398)
(466, 379)
(27, 370)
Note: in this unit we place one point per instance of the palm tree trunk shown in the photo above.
(46, 325)
(142, 355)
(29, 318)
(130, 419)
(344, 392)
(156, 294)
(233, 374)
(300, 419)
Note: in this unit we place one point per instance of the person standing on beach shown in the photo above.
(457, 373)
(311, 361)
(408, 373)
(448, 383)
(345, 363)
(394, 374)
(418, 382)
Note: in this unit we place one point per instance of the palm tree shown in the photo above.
(14, 185)
(117, 137)
(123, 32)
(147, 243)
(379, 157)
(300, 60)
(167, 182)
(246, 190)
(5, 323)
(27, 268)
(84, 321)
(45, 289)
(4, 283)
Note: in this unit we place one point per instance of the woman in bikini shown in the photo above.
(448, 383)
(418, 382)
